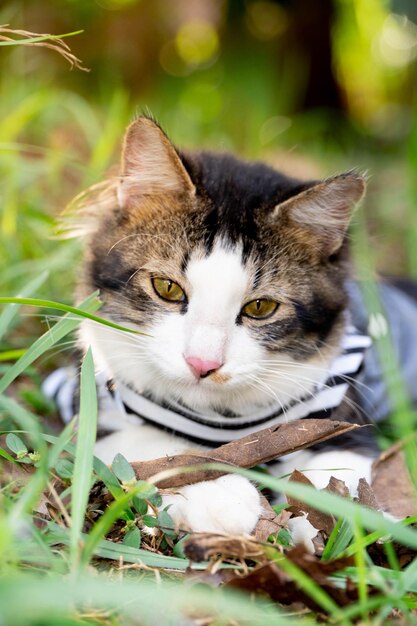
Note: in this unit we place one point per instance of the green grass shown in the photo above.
(55, 141)
(83, 462)
(65, 555)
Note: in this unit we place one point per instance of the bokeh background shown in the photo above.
(312, 87)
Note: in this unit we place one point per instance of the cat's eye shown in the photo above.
(260, 309)
(168, 290)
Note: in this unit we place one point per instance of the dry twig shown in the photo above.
(45, 40)
(265, 445)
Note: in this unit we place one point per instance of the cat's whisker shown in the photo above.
(299, 379)
(289, 363)
(129, 337)
(323, 372)
(141, 356)
(288, 376)
(259, 388)
(256, 387)
(267, 388)
(133, 359)
(345, 377)
(133, 275)
(298, 385)
(295, 382)
(303, 394)
(136, 235)
(298, 365)
(54, 353)
(309, 394)
(120, 344)
(349, 401)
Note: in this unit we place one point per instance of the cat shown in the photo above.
(240, 278)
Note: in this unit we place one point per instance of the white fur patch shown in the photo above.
(227, 505)
(303, 532)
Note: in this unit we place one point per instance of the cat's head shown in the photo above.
(234, 270)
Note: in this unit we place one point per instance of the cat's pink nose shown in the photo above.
(201, 368)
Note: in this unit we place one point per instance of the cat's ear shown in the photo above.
(150, 165)
(321, 213)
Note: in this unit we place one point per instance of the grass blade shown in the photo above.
(312, 589)
(47, 340)
(66, 308)
(26, 599)
(39, 38)
(341, 541)
(114, 551)
(11, 355)
(109, 550)
(83, 462)
(329, 547)
(7, 456)
(361, 569)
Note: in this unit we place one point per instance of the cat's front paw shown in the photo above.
(228, 505)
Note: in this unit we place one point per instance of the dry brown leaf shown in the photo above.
(320, 521)
(316, 568)
(319, 543)
(391, 484)
(366, 495)
(270, 523)
(378, 554)
(269, 579)
(338, 487)
(265, 445)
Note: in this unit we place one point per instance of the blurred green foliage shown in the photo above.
(311, 87)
